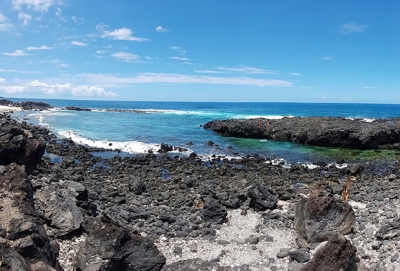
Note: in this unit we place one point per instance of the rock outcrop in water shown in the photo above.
(27, 105)
(318, 131)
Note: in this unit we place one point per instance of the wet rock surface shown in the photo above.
(319, 131)
(196, 212)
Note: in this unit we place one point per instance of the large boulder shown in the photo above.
(56, 204)
(338, 254)
(18, 145)
(318, 217)
(261, 198)
(111, 248)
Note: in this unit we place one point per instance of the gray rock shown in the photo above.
(193, 247)
(283, 252)
(58, 206)
(389, 231)
(316, 218)
(252, 239)
(300, 255)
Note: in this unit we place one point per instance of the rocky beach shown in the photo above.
(66, 207)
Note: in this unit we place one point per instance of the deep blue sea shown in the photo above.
(147, 124)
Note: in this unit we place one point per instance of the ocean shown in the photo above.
(137, 127)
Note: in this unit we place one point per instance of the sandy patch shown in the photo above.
(234, 250)
(4, 108)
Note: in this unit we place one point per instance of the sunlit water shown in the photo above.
(147, 124)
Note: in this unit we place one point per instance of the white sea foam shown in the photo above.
(126, 146)
(368, 120)
(339, 166)
(310, 165)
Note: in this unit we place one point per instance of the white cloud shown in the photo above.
(91, 91)
(56, 89)
(180, 58)
(25, 17)
(326, 58)
(119, 34)
(128, 57)
(19, 71)
(78, 43)
(16, 53)
(39, 5)
(245, 69)
(161, 29)
(2, 80)
(352, 27)
(58, 12)
(296, 74)
(43, 47)
(77, 20)
(12, 89)
(4, 25)
(178, 50)
(144, 78)
(207, 71)
(369, 87)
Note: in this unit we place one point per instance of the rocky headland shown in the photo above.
(318, 131)
(64, 207)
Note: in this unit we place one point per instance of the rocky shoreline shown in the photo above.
(66, 208)
(318, 131)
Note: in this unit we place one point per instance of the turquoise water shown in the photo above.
(148, 124)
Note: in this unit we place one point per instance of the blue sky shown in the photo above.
(287, 50)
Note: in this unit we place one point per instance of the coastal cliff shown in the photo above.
(318, 131)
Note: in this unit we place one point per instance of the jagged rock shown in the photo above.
(261, 198)
(317, 217)
(214, 211)
(20, 223)
(11, 260)
(17, 145)
(389, 231)
(111, 248)
(56, 203)
(338, 254)
(165, 148)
